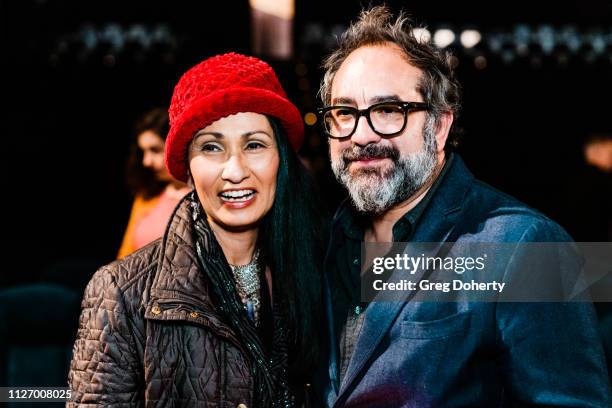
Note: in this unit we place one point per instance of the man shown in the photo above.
(390, 104)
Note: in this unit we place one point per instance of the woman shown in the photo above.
(222, 311)
(156, 192)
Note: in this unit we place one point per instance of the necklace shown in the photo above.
(248, 285)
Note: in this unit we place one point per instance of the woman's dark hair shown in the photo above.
(140, 180)
(291, 238)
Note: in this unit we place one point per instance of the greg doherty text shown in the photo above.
(426, 285)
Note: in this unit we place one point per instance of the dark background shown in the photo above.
(68, 111)
(70, 97)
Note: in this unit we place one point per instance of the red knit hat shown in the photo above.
(221, 86)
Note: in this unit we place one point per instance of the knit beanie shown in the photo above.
(221, 86)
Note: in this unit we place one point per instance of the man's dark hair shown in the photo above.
(377, 26)
(140, 180)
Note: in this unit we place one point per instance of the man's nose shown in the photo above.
(364, 134)
(235, 170)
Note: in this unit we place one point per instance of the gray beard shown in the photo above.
(375, 191)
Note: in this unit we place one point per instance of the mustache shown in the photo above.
(369, 152)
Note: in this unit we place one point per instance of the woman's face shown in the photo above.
(233, 163)
(152, 146)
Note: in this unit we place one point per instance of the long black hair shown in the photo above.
(291, 237)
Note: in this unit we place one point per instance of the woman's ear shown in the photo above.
(190, 182)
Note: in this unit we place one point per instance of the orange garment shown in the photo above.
(148, 220)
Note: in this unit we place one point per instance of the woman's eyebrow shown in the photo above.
(216, 135)
(247, 134)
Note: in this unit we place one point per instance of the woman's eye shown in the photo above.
(209, 147)
(254, 145)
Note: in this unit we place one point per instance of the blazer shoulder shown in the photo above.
(499, 214)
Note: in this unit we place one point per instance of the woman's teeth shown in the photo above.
(237, 195)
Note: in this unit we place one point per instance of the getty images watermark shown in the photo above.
(489, 272)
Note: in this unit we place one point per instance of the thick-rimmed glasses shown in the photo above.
(385, 118)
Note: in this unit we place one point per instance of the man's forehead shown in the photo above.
(375, 73)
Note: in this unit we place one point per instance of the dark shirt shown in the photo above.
(344, 267)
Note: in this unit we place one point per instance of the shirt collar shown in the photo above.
(353, 224)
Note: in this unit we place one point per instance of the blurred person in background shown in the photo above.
(586, 205)
(389, 105)
(223, 310)
(587, 197)
(155, 191)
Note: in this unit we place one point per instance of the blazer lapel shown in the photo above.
(437, 225)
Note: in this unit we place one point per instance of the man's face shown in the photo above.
(382, 172)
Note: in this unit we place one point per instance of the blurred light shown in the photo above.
(89, 36)
(536, 61)
(546, 38)
(313, 33)
(495, 41)
(138, 34)
(113, 34)
(454, 61)
(522, 49)
(570, 37)
(421, 34)
(301, 69)
(522, 34)
(304, 84)
(161, 34)
(272, 28)
(109, 60)
(310, 118)
(480, 62)
(443, 37)
(469, 38)
(507, 56)
(284, 9)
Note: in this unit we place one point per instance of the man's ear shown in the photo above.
(444, 124)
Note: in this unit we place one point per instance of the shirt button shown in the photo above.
(155, 310)
(356, 261)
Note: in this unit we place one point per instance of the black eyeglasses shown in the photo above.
(385, 118)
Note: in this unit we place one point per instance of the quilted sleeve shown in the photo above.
(105, 370)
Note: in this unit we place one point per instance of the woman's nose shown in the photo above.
(236, 169)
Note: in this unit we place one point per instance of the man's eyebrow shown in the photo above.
(376, 99)
(385, 98)
(343, 100)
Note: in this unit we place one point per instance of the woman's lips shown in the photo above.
(238, 198)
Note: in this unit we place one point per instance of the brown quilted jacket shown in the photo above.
(151, 336)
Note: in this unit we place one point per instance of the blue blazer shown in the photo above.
(471, 354)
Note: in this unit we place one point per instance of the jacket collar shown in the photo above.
(438, 224)
(180, 291)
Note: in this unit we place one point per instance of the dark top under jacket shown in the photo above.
(151, 333)
(348, 309)
(463, 353)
